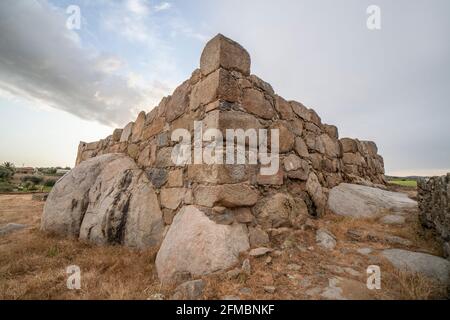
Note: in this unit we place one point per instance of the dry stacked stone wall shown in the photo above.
(434, 206)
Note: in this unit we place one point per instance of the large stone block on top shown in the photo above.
(221, 52)
(197, 245)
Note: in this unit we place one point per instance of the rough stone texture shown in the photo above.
(221, 52)
(434, 205)
(229, 195)
(197, 245)
(429, 265)
(325, 239)
(366, 202)
(11, 227)
(107, 199)
(189, 290)
(280, 210)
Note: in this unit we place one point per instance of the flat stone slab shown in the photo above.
(426, 264)
(11, 227)
(366, 202)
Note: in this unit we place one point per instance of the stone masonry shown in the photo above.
(434, 206)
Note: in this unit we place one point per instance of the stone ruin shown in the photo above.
(433, 195)
(127, 190)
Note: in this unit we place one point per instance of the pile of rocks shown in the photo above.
(434, 205)
(126, 188)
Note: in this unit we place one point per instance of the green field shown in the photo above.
(405, 183)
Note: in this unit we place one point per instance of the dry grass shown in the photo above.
(33, 264)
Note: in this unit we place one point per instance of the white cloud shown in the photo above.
(138, 7)
(45, 63)
(162, 6)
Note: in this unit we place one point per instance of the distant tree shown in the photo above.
(49, 182)
(5, 173)
(8, 165)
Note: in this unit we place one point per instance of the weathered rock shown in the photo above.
(117, 133)
(365, 202)
(154, 128)
(258, 237)
(325, 239)
(218, 85)
(157, 176)
(126, 132)
(133, 151)
(315, 191)
(255, 102)
(348, 145)
(286, 137)
(197, 245)
(172, 198)
(175, 178)
(433, 195)
(258, 252)
(220, 174)
(296, 168)
(279, 210)
(300, 148)
(221, 52)
(426, 264)
(284, 108)
(178, 102)
(274, 179)
(136, 132)
(269, 289)
(93, 202)
(301, 110)
(243, 215)
(189, 290)
(331, 147)
(246, 267)
(11, 227)
(228, 195)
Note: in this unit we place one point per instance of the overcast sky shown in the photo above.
(60, 86)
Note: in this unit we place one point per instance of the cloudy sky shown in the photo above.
(59, 86)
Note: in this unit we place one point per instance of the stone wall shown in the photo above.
(434, 206)
(225, 95)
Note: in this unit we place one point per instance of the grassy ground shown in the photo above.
(33, 264)
(405, 183)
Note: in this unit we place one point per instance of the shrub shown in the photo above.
(6, 187)
(29, 185)
(5, 173)
(34, 179)
(49, 182)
